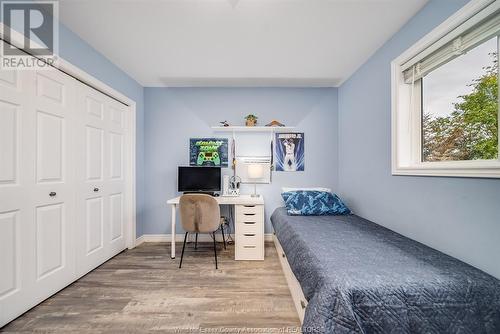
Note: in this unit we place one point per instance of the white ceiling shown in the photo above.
(237, 42)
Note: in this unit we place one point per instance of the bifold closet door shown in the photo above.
(100, 178)
(37, 193)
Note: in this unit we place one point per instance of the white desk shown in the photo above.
(246, 206)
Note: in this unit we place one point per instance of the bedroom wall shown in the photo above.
(458, 216)
(173, 115)
(79, 53)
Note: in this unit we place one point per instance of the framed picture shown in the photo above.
(289, 152)
(208, 152)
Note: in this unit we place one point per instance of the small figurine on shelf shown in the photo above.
(224, 123)
(251, 120)
(275, 123)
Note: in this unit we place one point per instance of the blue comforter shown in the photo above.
(360, 277)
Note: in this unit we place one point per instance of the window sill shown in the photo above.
(476, 169)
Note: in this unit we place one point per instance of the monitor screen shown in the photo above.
(192, 179)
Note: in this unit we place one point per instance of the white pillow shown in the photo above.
(285, 189)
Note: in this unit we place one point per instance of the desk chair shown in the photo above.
(200, 213)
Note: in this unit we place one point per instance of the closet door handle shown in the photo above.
(52, 193)
(96, 190)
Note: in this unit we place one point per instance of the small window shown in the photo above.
(460, 107)
(445, 98)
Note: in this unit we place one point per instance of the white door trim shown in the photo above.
(17, 39)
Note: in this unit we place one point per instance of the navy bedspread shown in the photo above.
(360, 277)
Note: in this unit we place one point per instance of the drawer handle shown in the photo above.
(283, 254)
(249, 223)
(52, 193)
(302, 304)
(249, 214)
(96, 190)
(249, 206)
(249, 235)
(248, 246)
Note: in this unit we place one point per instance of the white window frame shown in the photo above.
(406, 116)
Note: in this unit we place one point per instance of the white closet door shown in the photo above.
(14, 190)
(53, 192)
(100, 200)
(118, 122)
(36, 188)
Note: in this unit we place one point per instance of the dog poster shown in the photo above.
(289, 152)
(208, 152)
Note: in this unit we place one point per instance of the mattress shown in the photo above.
(360, 277)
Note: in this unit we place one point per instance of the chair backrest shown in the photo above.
(200, 213)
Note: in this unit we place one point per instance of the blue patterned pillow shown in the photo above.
(313, 203)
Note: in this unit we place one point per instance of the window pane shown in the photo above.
(460, 107)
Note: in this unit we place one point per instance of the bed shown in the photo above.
(359, 277)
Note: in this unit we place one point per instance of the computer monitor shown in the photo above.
(198, 179)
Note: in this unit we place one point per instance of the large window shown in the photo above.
(446, 98)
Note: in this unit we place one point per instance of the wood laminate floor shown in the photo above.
(142, 290)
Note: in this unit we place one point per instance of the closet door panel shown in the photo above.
(116, 211)
(117, 168)
(92, 201)
(94, 225)
(42, 195)
(94, 138)
(101, 198)
(116, 156)
(53, 224)
(16, 180)
(50, 239)
(9, 255)
(50, 155)
(9, 79)
(36, 194)
(51, 87)
(94, 105)
(9, 142)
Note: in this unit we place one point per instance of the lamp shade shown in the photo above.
(255, 171)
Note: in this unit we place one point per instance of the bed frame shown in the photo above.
(295, 289)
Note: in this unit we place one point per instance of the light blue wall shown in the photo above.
(79, 53)
(458, 216)
(173, 115)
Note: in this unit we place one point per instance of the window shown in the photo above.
(445, 118)
(460, 107)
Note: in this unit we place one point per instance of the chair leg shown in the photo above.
(223, 239)
(196, 241)
(215, 251)
(183, 246)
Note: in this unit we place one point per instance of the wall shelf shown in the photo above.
(252, 128)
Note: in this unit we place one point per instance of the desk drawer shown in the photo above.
(249, 246)
(249, 226)
(248, 239)
(249, 210)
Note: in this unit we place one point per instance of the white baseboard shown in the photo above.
(180, 238)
